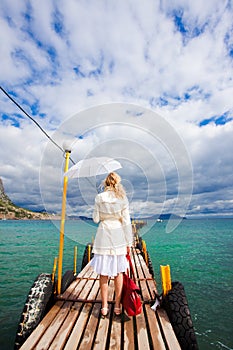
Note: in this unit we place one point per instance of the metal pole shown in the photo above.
(75, 259)
(166, 278)
(88, 252)
(63, 215)
(54, 269)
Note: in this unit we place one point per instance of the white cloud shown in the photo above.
(62, 58)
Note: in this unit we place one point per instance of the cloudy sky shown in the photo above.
(146, 82)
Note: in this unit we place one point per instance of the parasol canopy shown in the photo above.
(92, 167)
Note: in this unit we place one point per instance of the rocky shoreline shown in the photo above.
(10, 211)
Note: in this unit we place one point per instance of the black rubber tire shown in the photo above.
(36, 305)
(85, 255)
(139, 244)
(176, 305)
(67, 279)
(150, 265)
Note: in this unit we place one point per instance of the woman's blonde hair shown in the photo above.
(112, 182)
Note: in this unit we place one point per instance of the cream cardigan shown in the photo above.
(114, 232)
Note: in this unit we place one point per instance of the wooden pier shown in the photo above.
(74, 322)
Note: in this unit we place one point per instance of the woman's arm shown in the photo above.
(96, 215)
(126, 223)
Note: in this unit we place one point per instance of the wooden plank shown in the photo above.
(70, 289)
(104, 324)
(90, 330)
(77, 324)
(73, 341)
(84, 284)
(156, 337)
(65, 330)
(135, 265)
(101, 335)
(170, 336)
(141, 274)
(115, 334)
(52, 330)
(167, 331)
(62, 329)
(85, 271)
(143, 266)
(115, 337)
(74, 287)
(162, 316)
(128, 328)
(41, 328)
(147, 288)
(142, 335)
(141, 331)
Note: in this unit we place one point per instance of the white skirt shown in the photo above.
(109, 265)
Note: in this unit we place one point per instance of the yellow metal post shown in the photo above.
(88, 253)
(75, 259)
(145, 252)
(166, 279)
(63, 215)
(54, 269)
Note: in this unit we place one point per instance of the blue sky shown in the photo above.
(175, 58)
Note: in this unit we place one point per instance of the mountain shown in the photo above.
(168, 216)
(10, 211)
(164, 217)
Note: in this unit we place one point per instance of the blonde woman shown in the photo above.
(113, 238)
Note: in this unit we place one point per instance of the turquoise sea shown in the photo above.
(199, 252)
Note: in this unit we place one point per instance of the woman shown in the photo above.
(113, 238)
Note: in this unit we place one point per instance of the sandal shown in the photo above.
(117, 311)
(104, 312)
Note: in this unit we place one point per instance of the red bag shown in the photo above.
(130, 298)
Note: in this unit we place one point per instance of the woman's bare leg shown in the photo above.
(104, 292)
(118, 283)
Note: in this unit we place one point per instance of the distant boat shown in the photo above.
(159, 220)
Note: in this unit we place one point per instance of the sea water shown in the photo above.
(199, 252)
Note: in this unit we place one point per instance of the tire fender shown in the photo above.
(176, 305)
(150, 265)
(67, 279)
(85, 255)
(35, 307)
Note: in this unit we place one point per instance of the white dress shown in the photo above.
(113, 235)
